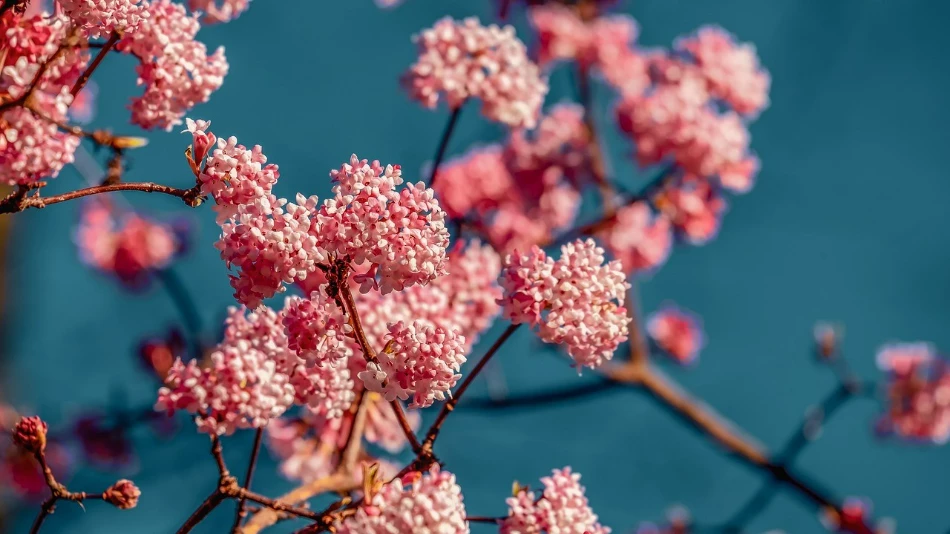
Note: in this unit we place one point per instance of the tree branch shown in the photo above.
(19, 200)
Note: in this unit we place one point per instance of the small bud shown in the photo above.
(827, 339)
(124, 494)
(30, 434)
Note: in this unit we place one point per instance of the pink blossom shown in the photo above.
(130, 248)
(854, 517)
(918, 393)
(562, 508)
(317, 330)
(679, 333)
(739, 177)
(418, 360)
(216, 11)
(557, 147)
(562, 35)
(176, 70)
(695, 208)
(461, 60)
(628, 72)
(102, 17)
(573, 301)
(732, 70)
(430, 503)
(246, 384)
(400, 232)
(31, 145)
(233, 175)
(269, 243)
(640, 240)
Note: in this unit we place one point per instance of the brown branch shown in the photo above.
(449, 405)
(406, 427)
(444, 143)
(86, 74)
(337, 482)
(248, 477)
(19, 200)
(202, 512)
(58, 492)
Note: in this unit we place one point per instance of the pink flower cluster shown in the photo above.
(572, 301)
(252, 378)
(462, 60)
(308, 447)
(523, 192)
(216, 11)
(562, 507)
(176, 70)
(400, 232)
(678, 333)
(418, 360)
(639, 239)
(604, 43)
(131, 249)
(918, 392)
(232, 174)
(429, 503)
(31, 145)
(102, 17)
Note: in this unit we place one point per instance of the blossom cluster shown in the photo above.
(574, 300)
(32, 147)
(918, 392)
(678, 333)
(462, 60)
(427, 503)
(128, 246)
(525, 191)
(561, 507)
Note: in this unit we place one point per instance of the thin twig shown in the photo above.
(406, 427)
(86, 74)
(19, 200)
(444, 143)
(449, 405)
(248, 477)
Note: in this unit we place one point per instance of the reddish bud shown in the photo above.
(30, 434)
(124, 494)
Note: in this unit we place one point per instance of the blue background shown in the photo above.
(846, 223)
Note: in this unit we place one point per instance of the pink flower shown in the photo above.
(131, 248)
(431, 503)
(739, 177)
(679, 333)
(216, 11)
(418, 360)
(562, 35)
(102, 17)
(918, 393)
(176, 70)
(400, 232)
(640, 240)
(317, 330)
(572, 301)
(232, 175)
(732, 70)
(247, 383)
(461, 60)
(270, 244)
(695, 207)
(561, 508)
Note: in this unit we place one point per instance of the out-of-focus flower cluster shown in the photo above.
(855, 517)
(678, 333)
(462, 60)
(562, 507)
(216, 11)
(126, 245)
(523, 192)
(917, 392)
(575, 300)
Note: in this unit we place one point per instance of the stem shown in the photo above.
(45, 510)
(546, 398)
(267, 516)
(18, 201)
(84, 77)
(350, 305)
(219, 456)
(248, 477)
(406, 427)
(598, 166)
(186, 305)
(202, 512)
(449, 406)
(483, 519)
(444, 143)
(639, 349)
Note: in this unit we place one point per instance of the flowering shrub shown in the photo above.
(389, 281)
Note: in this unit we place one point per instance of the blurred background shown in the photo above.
(846, 224)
